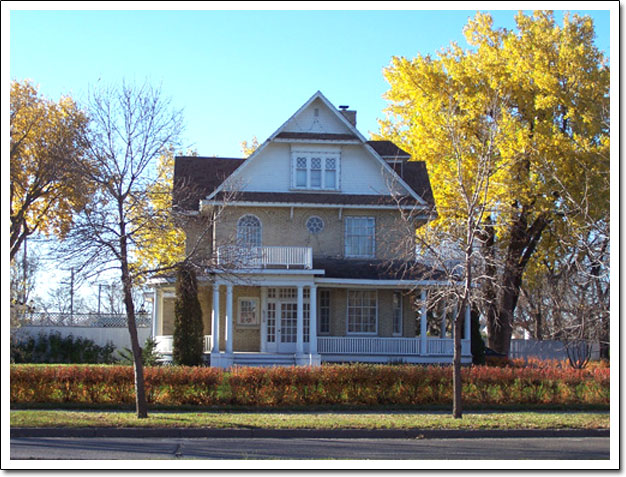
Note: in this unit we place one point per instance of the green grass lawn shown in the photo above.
(313, 420)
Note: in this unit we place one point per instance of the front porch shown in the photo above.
(269, 320)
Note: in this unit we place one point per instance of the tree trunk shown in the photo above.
(500, 314)
(457, 386)
(140, 394)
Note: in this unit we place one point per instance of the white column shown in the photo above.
(215, 331)
(423, 327)
(468, 321)
(155, 313)
(229, 318)
(300, 323)
(313, 321)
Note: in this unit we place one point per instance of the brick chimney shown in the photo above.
(350, 115)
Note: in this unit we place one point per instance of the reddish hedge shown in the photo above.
(326, 385)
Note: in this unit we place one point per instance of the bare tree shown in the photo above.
(130, 127)
(450, 252)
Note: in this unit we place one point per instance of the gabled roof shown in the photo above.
(387, 149)
(196, 177)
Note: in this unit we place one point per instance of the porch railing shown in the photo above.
(165, 344)
(388, 346)
(265, 257)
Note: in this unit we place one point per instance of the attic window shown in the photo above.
(315, 170)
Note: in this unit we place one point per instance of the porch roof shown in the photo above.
(377, 270)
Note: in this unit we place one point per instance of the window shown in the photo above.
(306, 322)
(249, 231)
(314, 225)
(397, 313)
(330, 173)
(316, 173)
(248, 312)
(362, 312)
(359, 237)
(301, 171)
(316, 170)
(324, 312)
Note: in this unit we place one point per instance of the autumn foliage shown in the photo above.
(348, 385)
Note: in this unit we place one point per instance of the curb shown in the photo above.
(305, 433)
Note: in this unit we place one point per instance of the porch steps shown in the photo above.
(264, 359)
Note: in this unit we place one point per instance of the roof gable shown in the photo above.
(316, 125)
(317, 118)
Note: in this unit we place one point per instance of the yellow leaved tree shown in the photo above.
(541, 92)
(47, 140)
(160, 241)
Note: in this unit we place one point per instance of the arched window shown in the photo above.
(249, 231)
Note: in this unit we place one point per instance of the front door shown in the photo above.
(281, 331)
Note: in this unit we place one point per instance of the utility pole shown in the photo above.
(99, 293)
(72, 295)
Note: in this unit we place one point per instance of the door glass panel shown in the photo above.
(289, 321)
(271, 322)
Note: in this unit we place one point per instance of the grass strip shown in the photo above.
(317, 420)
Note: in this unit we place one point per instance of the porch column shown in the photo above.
(300, 322)
(229, 318)
(215, 331)
(468, 321)
(423, 328)
(155, 313)
(313, 321)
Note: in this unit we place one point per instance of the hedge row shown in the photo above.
(352, 385)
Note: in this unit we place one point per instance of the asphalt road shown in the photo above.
(114, 448)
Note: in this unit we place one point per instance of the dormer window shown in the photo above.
(315, 170)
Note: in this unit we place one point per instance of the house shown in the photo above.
(302, 269)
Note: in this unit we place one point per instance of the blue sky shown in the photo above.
(237, 74)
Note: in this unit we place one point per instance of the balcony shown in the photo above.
(265, 257)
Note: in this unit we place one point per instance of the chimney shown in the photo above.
(348, 114)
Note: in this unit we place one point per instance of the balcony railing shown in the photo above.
(265, 257)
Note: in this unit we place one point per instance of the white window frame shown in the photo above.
(308, 156)
(349, 218)
(393, 316)
(361, 333)
(240, 322)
